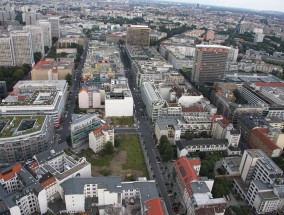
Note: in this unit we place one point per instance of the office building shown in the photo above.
(138, 35)
(22, 47)
(23, 136)
(81, 127)
(55, 28)
(46, 28)
(6, 52)
(29, 18)
(231, 110)
(36, 98)
(37, 37)
(210, 63)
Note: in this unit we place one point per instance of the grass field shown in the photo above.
(131, 159)
(135, 159)
(96, 160)
(123, 121)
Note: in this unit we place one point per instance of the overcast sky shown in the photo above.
(276, 5)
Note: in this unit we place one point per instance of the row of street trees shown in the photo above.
(166, 149)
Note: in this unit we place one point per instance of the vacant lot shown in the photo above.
(122, 121)
(127, 159)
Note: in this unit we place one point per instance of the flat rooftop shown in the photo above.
(30, 97)
(11, 126)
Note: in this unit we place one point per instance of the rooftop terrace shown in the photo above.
(11, 126)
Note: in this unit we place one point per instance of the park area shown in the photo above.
(126, 160)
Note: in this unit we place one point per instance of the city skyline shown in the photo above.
(274, 5)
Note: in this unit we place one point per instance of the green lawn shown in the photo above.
(123, 121)
(135, 159)
(104, 160)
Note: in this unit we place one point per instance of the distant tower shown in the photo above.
(197, 5)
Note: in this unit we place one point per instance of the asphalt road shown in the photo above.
(64, 131)
(146, 130)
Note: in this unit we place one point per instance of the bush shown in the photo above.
(105, 172)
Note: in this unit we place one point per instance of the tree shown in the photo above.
(18, 74)
(116, 142)
(54, 40)
(37, 57)
(166, 149)
(189, 135)
(109, 148)
(168, 153)
(46, 49)
(68, 78)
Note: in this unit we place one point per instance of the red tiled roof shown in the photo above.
(155, 207)
(269, 84)
(84, 89)
(216, 116)
(261, 133)
(99, 130)
(195, 162)
(225, 122)
(11, 174)
(186, 172)
(49, 181)
(44, 62)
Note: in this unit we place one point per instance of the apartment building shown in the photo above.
(36, 98)
(184, 147)
(261, 182)
(138, 35)
(37, 37)
(259, 139)
(195, 124)
(46, 28)
(119, 104)
(258, 134)
(110, 192)
(56, 164)
(195, 192)
(81, 127)
(220, 126)
(99, 137)
(91, 97)
(210, 35)
(210, 63)
(28, 197)
(22, 47)
(54, 25)
(169, 128)
(6, 52)
(52, 70)
(9, 178)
